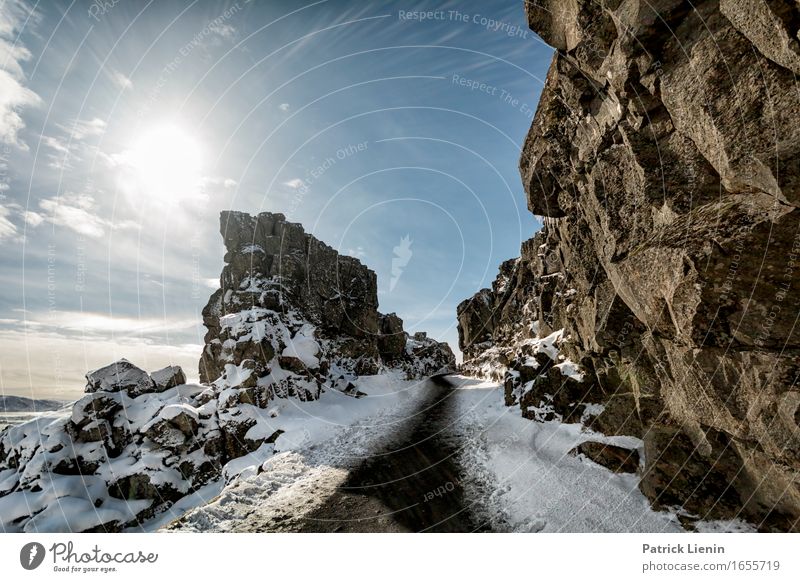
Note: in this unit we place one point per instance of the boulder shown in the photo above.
(617, 459)
(120, 376)
(95, 406)
(392, 338)
(168, 377)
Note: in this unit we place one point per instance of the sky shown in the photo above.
(390, 130)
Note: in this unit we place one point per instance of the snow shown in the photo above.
(322, 439)
(170, 411)
(590, 410)
(247, 465)
(521, 478)
(725, 526)
(67, 503)
(250, 249)
(548, 345)
(304, 346)
(163, 376)
(570, 369)
(236, 375)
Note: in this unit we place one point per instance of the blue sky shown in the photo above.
(126, 127)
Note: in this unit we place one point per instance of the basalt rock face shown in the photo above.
(293, 317)
(665, 158)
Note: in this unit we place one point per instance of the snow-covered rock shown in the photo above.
(168, 377)
(121, 375)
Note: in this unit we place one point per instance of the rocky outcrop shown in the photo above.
(289, 303)
(664, 158)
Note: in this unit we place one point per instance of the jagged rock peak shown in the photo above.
(278, 279)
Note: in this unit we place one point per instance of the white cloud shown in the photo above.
(226, 31)
(11, 56)
(213, 181)
(82, 128)
(357, 252)
(121, 80)
(7, 228)
(88, 322)
(14, 95)
(33, 219)
(55, 144)
(284, 107)
(60, 156)
(295, 183)
(77, 212)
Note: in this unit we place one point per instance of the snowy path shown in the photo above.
(295, 483)
(521, 478)
(444, 458)
(413, 484)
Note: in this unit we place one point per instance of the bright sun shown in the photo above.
(166, 163)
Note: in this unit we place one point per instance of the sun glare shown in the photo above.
(166, 163)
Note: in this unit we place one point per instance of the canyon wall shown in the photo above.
(664, 158)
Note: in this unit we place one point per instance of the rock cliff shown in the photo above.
(660, 298)
(288, 300)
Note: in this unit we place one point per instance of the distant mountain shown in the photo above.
(22, 404)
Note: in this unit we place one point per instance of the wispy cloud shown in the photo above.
(224, 30)
(77, 212)
(94, 323)
(121, 80)
(60, 155)
(294, 183)
(7, 228)
(284, 107)
(14, 95)
(80, 129)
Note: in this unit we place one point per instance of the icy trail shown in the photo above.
(442, 459)
(293, 483)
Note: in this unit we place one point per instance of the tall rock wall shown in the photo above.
(665, 158)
